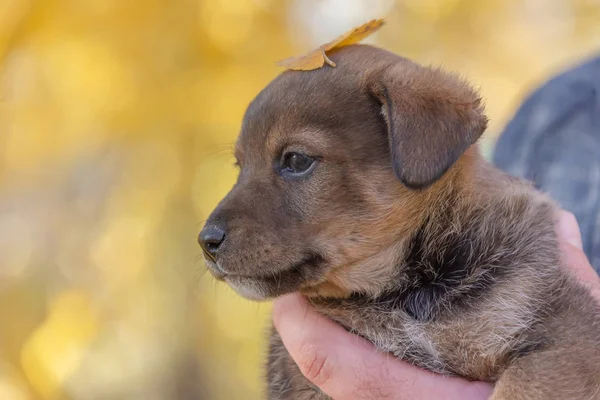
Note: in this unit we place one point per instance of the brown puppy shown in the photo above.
(361, 186)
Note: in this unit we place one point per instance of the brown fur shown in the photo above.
(402, 233)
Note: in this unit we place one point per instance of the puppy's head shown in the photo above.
(336, 168)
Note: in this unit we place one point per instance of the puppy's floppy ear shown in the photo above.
(432, 117)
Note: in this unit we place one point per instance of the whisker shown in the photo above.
(219, 149)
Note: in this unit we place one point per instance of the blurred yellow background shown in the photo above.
(117, 119)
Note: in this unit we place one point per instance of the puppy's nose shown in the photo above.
(210, 239)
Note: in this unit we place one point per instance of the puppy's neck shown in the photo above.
(380, 273)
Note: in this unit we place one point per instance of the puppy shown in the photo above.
(361, 186)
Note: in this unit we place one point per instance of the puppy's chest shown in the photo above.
(398, 334)
(477, 344)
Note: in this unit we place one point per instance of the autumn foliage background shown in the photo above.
(117, 118)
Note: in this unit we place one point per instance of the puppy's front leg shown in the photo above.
(558, 373)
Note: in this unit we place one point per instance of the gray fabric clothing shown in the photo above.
(554, 140)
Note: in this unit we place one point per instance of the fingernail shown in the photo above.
(575, 242)
(569, 230)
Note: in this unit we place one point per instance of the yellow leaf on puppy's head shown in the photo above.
(318, 57)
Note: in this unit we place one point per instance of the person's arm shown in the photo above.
(347, 367)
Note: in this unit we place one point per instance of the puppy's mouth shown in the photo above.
(262, 286)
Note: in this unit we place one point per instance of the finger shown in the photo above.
(347, 367)
(573, 255)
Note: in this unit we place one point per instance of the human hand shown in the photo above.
(348, 367)
(573, 255)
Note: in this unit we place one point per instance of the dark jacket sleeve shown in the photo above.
(554, 140)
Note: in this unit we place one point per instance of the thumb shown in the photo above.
(345, 366)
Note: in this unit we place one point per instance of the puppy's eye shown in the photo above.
(296, 163)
